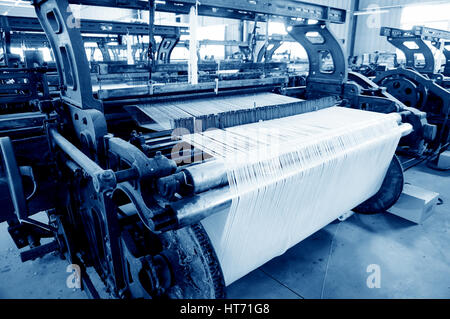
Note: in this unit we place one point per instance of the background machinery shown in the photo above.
(419, 84)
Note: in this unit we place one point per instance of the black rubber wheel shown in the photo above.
(179, 264)
(196, 269)
(389, 192)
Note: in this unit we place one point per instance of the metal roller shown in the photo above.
(194, 179)
(191, 210)
(206, 176)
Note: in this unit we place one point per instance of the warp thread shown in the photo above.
(291, 177)
(201, 114)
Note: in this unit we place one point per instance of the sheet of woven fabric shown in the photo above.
(291, 177)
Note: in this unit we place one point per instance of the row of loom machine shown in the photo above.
(421, 81)
(84, 141)
(113, 67)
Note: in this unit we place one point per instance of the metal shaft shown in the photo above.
(193, 209)
(88, 165)
(206, 176)
(101, 179)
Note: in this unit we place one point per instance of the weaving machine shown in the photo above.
(369, 64)
(108, 37)
(172, 189)
(419, 85)
(23, 79)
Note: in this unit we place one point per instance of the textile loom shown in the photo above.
(277, 170)
(419, 84)
(177, 188)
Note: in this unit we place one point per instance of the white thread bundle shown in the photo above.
(166, 113)
(291, 177)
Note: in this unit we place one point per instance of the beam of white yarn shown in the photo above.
(291, 177)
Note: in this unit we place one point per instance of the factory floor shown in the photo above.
(403, 259)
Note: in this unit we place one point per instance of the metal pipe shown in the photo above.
(193, 209)
(88, 165)
(101, 179)
(194, 179)
(126, 174)
(206, 176)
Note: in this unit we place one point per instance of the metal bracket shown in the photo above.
(13, 178)
(411, 53)
(165, 49)
(136, 159)
(64, 36)
(104, 50)
(325, 77)
(265, 54)
(418, 35)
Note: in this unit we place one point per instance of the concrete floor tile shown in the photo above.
(258, 285)
(42, 278)
(302, 268)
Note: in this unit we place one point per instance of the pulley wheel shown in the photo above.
(389, 192)
(404, 90)
(198, 273)
(184, 266)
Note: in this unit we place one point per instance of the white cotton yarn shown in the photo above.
(166, 114)
(291, 177)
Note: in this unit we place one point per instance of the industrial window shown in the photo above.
(180, 53)
(429, 15)
(432, 16)
(211, 51)
(277, 28)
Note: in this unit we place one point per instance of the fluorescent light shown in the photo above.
(361, 13)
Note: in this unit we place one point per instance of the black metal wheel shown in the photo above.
(389, 192)
(404, 90)
(180, 264)
(197, 270)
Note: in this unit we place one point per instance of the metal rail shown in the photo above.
(25, 24)
(430, 34)
(38, 40)
(424, 33)
(238, 9)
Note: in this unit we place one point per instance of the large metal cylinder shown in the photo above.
(206, 176)
(193, 209)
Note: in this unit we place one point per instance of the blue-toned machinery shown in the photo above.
(116, 199)
(419, 83)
